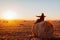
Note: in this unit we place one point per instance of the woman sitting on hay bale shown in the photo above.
(43, 29)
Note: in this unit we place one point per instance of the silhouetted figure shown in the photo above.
(42, 30)
(41, 18)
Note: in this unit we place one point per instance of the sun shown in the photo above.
(9, 15)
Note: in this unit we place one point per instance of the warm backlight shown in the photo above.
(9, 15)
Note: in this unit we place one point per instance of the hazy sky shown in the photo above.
(28, 9)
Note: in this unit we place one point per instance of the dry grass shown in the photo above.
(21, 29)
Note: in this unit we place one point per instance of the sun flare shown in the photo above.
(9, 15)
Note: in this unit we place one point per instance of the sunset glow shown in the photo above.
(29, 9)
(9, 15)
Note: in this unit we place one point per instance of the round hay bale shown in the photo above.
(43, 29)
